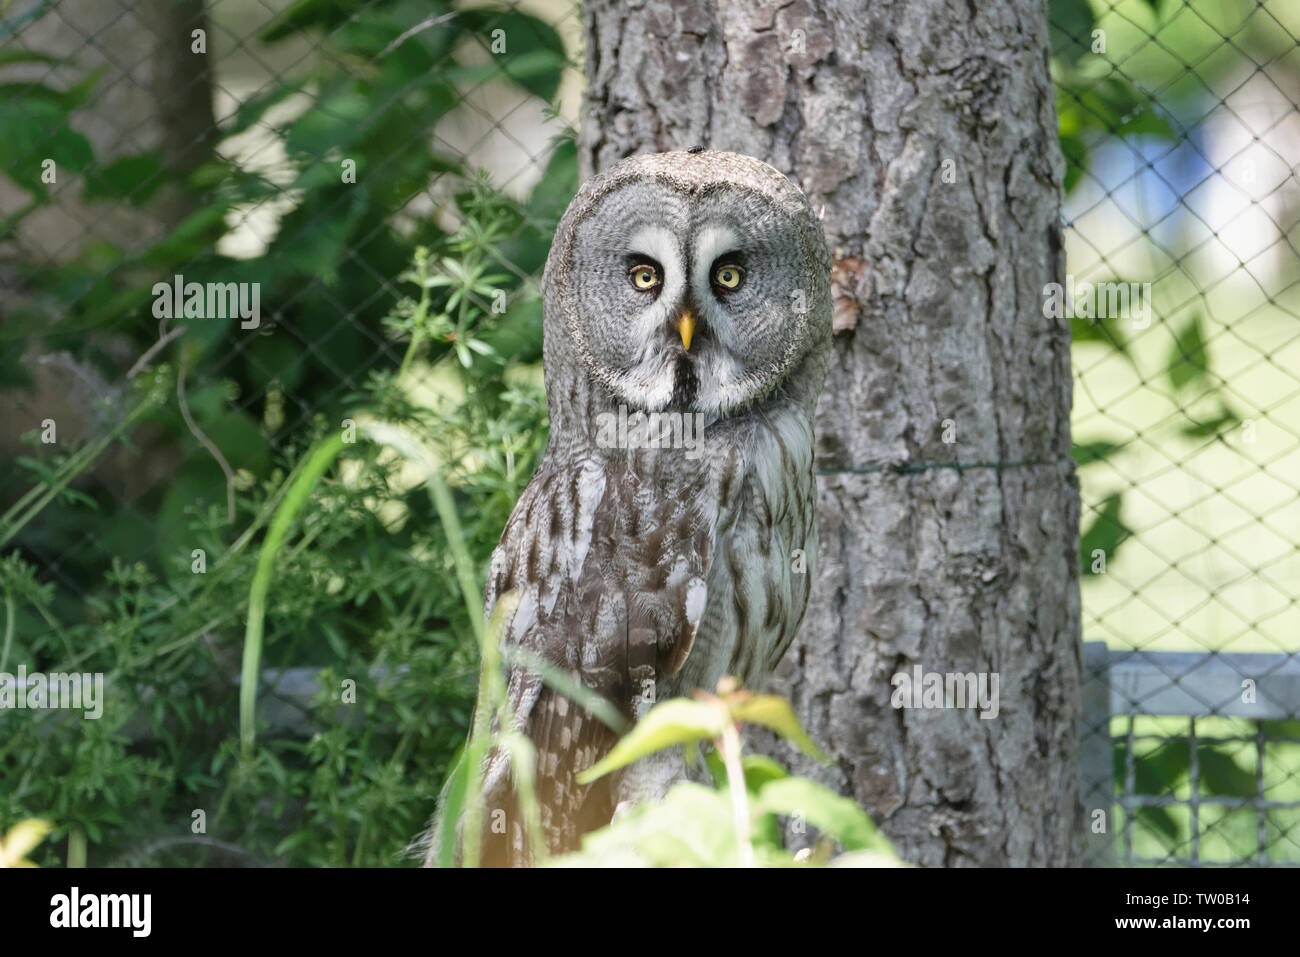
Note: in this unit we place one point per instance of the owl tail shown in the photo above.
(496, 846)
(567, 809)
(567, 740)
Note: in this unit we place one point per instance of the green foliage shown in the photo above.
(1188, 361)
(18, 843)
(1204, 413)
(736, 822)
(1094, 330)
(1097, 103)
(683, 721)
(344, 584)
(327, 274)
(36, 130)
(1093, 101)
(1088, 452)
(360, 579)
(1226, 755)
(1070, 26)
(1106, 533)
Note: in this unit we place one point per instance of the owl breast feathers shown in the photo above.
(668, 536)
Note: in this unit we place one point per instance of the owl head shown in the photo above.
(692, 281)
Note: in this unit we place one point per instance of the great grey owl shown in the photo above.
(654, 554)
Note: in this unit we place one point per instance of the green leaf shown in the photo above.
(29, 56)
(825, 810)
(103, 311)
(1106, 533)
(305, 14)
(691, 827)
(241, 441)
(32, 131)
(675, 721)
(451, 802)
(314, 239)
(13, 373)
(293, 842)
(1147, 120)
(534, 53)
(335, 122)
(866, 859)
(74, 97)
(717, 768)
(1096, 330)
(1224, 420)
(1085, 453)
(1188, 359)
(1076, 159)
(1071, 23)
(1223, 776)
(252, 110)
(1282, 728)
(192, 237)
(518, 334)
(553, 191)
(774, 712)
(537, 71)
(1111, 105)
(1156, 772)
(133, 178)
(759, 770)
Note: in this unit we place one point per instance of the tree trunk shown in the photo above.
(927, 131)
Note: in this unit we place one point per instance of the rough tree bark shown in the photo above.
(927, 130)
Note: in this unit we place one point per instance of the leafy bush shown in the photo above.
(736, 822)
(360, 575)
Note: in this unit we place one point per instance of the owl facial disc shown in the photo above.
(682, 281)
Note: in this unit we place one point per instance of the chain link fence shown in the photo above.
(1181, 132)
(318, 148)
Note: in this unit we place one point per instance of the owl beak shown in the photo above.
(686, 328)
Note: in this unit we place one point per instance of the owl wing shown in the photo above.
(609, 569)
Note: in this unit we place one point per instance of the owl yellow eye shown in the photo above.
(728, 277)
(644, 277)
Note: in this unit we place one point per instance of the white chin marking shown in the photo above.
(720, 375)
(656, 395)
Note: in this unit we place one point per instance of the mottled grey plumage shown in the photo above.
(648, 572)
